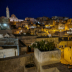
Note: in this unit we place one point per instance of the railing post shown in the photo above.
(17, 46)
(18, 49)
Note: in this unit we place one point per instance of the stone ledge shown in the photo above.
(59, 66)
(2, 59)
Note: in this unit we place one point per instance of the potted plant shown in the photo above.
(45, 51)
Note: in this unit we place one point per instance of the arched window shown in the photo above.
(65, 45)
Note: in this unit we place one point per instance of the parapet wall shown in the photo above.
(14, 64)
(30, 39)
(27, 39)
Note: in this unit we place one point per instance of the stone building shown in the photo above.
(5, 25)
(42, 18)
(59, 18)
(15, 22)
(30, 19)
(8, 47)
(14, 18)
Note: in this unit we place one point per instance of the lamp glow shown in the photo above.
(5, 24)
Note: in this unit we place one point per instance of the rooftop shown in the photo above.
(23, 35)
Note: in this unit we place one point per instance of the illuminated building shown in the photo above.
(30, 19)
(59, 18)
(42, 18)
(13, 18)
(5, 25)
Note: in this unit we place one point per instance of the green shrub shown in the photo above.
(43, 45)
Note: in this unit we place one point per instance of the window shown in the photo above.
(70, 58)
(4, 27)
(65, 45)
(59, 46)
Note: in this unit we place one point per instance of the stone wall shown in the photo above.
(5, 31)
(68, 54)
(65, 43)
(27, 39)
(14, 64)
(30, 39)
(46, 58)
(55, 39)
(23, 50)
(8, 52)
(55, 67)
(4, 20)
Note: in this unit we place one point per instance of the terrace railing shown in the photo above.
(9, 42)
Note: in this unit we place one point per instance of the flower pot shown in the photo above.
(47, 56)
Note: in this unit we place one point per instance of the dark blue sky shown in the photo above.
(36, 8)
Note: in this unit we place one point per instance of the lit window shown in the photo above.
(4, 24)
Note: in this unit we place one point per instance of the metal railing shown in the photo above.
(8, 41)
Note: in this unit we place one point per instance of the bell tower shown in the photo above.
(7, 12)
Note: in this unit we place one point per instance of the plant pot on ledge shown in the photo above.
(47, 56)
(46, 52)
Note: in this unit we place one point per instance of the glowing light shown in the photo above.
(33, 27)
(5, 24)
(24, 33)
(49, 35)
(69, 32)
(71, 28)
(38, 22)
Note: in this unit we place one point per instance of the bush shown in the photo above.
(43, 45)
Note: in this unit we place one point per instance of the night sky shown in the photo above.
(37, 8)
